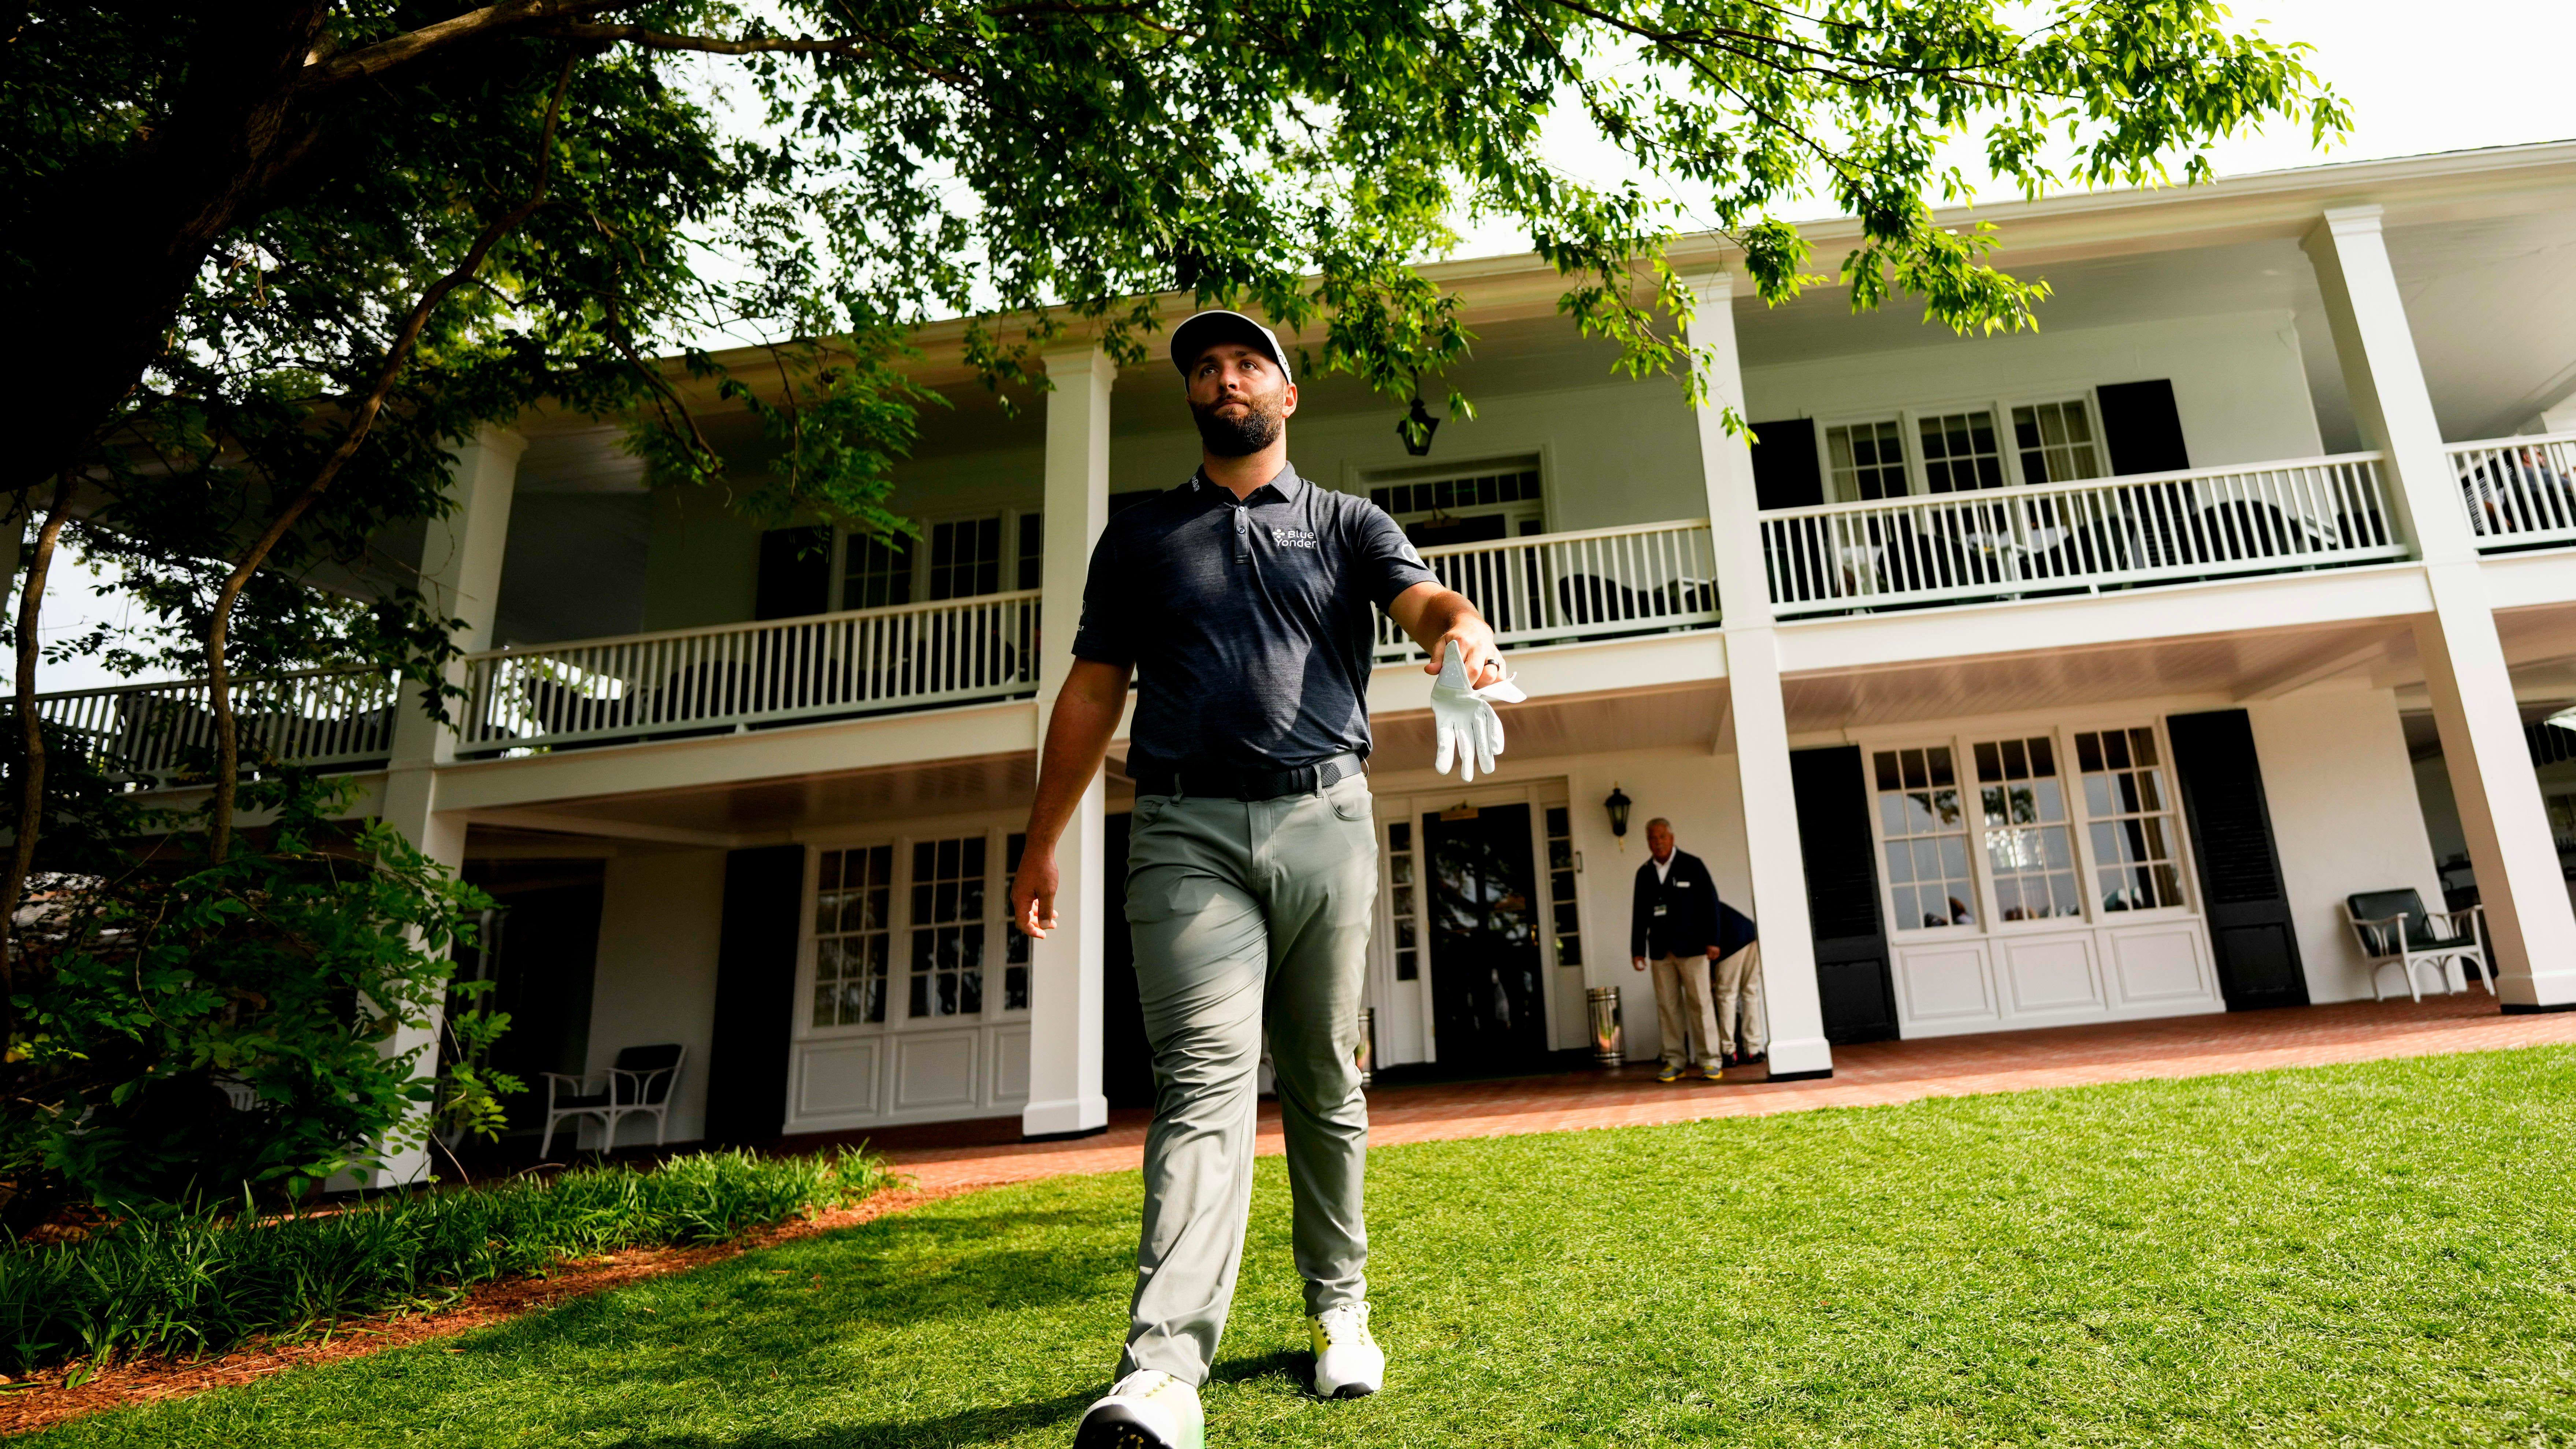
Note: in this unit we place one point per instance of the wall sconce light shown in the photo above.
(1617, 805)
(1416, 429)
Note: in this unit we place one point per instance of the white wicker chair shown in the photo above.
(643, 1082)
(2394, 929)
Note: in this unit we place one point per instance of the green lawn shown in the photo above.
(2383, 1254)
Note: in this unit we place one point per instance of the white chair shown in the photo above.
(643, 1082)
(2394, 929)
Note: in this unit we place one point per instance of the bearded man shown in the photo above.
(1242, 605)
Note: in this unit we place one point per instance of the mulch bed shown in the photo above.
(34, 1404)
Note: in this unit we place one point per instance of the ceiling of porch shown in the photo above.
(2221, 667)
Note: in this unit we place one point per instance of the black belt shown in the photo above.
(1224, 784)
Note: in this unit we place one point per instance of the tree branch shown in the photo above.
(361, 419)
(325, 73)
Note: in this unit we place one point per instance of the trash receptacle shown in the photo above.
(1368, 1046)
(1609, 1048)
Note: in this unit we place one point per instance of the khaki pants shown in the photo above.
(1743, 1027)
(1682, 1001)
(1247, 915)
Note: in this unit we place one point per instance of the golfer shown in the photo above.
(1240, 603)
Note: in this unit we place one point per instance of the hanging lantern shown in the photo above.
(1416, 429)
(1617, 805)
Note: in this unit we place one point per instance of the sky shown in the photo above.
(2418, 81)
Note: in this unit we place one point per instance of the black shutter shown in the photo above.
(2250, 929)
(1784, 464)
(764, 894)
(2142, 427)
(1126, 1058)
(1852, 982)
(795, 573)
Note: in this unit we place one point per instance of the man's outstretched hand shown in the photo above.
(1472, 641)
(1033, 894)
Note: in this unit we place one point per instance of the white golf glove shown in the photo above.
(1464, 721)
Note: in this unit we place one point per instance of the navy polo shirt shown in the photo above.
(1250, 624)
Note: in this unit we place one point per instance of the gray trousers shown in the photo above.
(1246, 914)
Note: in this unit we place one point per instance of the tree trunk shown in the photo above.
(31, 768)
(104, 291)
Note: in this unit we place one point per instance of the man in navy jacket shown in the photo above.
(1674, 924)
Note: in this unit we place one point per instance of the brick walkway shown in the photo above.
(1881, 1072)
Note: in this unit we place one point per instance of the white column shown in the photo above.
(1756, 711)
(1726, 462)
(1065, 1008)
(2519, 880)
(460, 571)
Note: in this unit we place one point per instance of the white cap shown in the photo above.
(1192, 339)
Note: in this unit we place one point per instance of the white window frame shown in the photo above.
(899, 924)
(1962, 742)
(1909, 427)
(1362, 481)
(916, 552)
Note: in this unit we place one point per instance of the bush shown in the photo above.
(155, 980)
(199, 1282)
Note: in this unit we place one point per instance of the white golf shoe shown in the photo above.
(1348, 1362)
(1148, 1409)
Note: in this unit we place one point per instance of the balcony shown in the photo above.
(2078, 537)
(736, 678)
(741, 677)
(1565, 588)
(2519, 492)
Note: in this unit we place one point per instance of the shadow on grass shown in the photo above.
(1291, 1368)
(949, 1431)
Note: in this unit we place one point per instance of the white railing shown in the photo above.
(2518, 490)
(2142, 528)
(1560, 587)
(161, 732)
(742, 676)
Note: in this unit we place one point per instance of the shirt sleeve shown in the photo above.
(1384, 556)
(1107, 632)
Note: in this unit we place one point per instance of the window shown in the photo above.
(2130, 814)
(966, 558)
(875, 574)
(1867, 460)
(1032, 550)
(948, 927)
(1959, 452)
(1560, 887)
(1927, 838)
(1015, 946)
(2029, 852)
(850, 930)
(1399, 911)
(2055, 440)
(1481, 502)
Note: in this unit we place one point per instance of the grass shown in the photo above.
(2381, 1254)
(201, 1281)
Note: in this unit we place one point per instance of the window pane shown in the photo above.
(1867, 460)
(2130, 820)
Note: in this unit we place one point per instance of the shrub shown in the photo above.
(158, 978)
(201, 1282)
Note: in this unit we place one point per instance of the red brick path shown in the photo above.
(1896, 1071)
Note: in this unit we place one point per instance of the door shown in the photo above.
(1488, 979)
